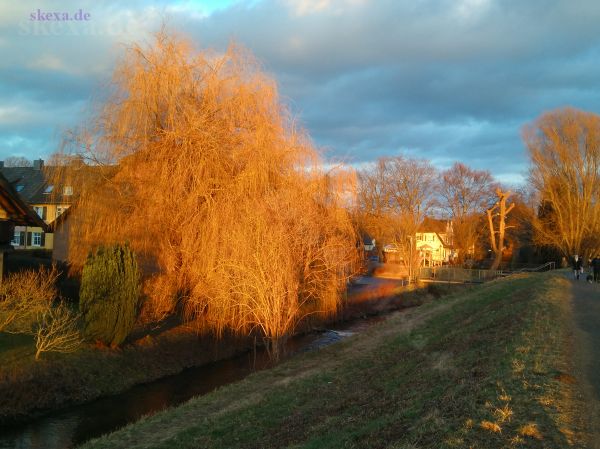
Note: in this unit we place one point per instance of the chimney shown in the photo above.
(38, 164)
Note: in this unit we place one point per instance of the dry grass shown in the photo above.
(531, 430)
(491, 426)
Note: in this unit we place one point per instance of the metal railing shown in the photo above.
(453, 274)
(467, 275)
(549, 266)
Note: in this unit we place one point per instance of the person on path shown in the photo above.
(596, 268)
(577, 266)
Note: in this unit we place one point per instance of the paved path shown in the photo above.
(586, 312)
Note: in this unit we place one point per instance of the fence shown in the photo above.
(453, 274)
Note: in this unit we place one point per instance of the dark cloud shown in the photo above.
(442, 79)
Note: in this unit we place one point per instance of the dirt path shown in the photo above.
(586, 314)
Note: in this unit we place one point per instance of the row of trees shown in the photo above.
(558, 210)
(396, 194)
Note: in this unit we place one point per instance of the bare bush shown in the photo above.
(23, 296)
(57, 331)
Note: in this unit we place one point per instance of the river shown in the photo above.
(67, 428)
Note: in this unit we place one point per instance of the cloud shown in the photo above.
(442, 79)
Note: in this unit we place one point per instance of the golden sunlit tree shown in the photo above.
(564, 147)
(217, 191)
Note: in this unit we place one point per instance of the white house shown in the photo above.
(434, 242)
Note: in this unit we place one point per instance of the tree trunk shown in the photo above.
(497, 261)
(497, 237)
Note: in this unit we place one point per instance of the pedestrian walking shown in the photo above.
(577, 266)
(596, 268)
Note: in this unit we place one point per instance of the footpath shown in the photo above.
(586, 314)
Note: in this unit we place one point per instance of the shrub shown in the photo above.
(109, 295)
(57, 331)
(23, 296)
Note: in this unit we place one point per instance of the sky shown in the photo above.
(446, 80)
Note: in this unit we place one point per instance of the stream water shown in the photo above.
(72, 426)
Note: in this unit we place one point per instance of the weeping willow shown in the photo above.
(200, 167)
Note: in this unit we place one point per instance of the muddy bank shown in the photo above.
(60, 381)
(63, 380)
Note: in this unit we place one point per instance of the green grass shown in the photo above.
(482, 369)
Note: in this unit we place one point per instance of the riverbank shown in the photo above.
(30, 388)
(487, 368)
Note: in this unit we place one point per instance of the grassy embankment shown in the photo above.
(29, 388)
(488, 368)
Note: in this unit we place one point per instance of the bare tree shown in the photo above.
(497, 225)
(57, 331)
(395, 196)
(374, 203)
(465, 195)
(17, 161)
(564, 147)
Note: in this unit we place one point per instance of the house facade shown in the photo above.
(14, 213)
(47, 200)
(434, 242)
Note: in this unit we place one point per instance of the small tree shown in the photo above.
(57, 331)
(109, 295)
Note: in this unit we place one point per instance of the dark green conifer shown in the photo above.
(109, 297)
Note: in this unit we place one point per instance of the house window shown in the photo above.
(41, 211)
(68, 190)
(49, 189)
(19, 187)
(16, 240)
(36, 239)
